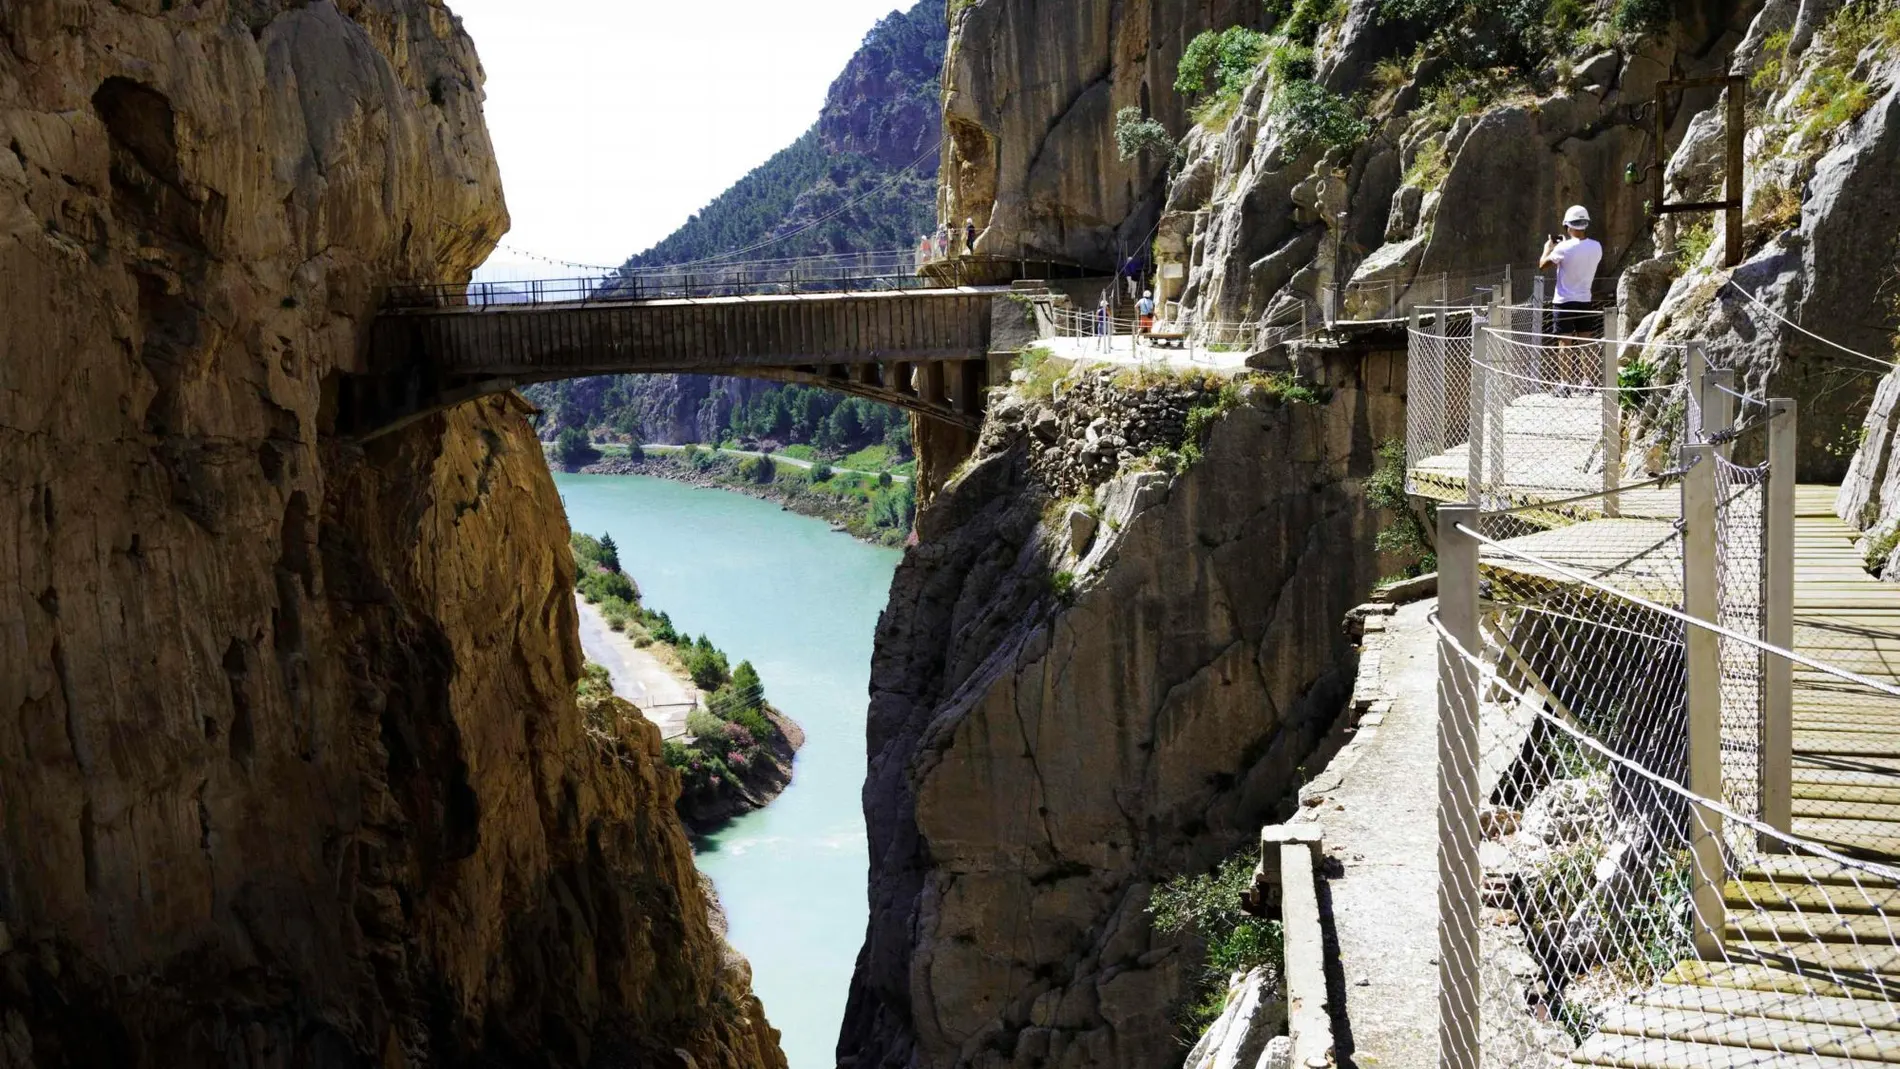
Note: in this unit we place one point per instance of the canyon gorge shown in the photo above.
(293, 771)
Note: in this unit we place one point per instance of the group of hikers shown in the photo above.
(942, 245)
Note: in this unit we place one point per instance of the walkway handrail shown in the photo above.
(843, 273)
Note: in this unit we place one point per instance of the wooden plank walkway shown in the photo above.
(1809, 973)
(1811, 969)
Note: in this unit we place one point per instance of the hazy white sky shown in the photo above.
(615, 120)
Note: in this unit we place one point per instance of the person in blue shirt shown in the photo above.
(1145, 308)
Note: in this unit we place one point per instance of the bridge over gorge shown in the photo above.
(926, 338)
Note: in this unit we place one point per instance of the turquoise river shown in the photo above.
(801, 603)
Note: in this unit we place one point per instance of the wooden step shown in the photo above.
(1643, 1052)
(1831, 962)
(1764, 928)
(1780, 1037)
(1869, 897)
(1782, 980)
(1815, 1009)
(1807, 805)
(1806, 868)
(1867, 836)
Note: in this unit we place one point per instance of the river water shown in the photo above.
(801, 603)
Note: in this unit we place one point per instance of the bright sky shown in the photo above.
(614, 120)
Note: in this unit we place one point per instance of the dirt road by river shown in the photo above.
(638, 676)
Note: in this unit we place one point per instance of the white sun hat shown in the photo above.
(1577, 216)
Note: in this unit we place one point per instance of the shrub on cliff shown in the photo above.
(1136, 134)
(1219, 64)
(1209, 908)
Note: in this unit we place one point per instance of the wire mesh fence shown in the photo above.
(1667, 924)
(1546, 428)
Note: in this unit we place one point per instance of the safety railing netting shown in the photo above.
(1541, 428)
(1662, 926)
(1692, 872)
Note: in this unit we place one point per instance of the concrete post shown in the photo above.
(1459, 874)
(1695, 366)
(1718, 407)
(1703, 666)
(1612, 416)
(1475, 415)
(1777, 743)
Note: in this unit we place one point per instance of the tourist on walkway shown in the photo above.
(1573, 315)
(1104, 322)
(1145, 308)
(969, 236)
(923, 250)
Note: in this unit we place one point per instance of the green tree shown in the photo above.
(745, 682)
(574, 449)
(1135, 135)
(610, 553)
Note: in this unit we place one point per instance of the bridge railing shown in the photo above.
(867, 272)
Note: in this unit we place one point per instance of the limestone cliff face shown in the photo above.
(1822, 234)
(293, 773)
(1042, 754)
(1029, 110)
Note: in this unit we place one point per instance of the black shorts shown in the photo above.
(1576, 320)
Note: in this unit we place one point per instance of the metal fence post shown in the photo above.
(1777, 744)
(1702, 656)
(1696, 365)
(1509, 291)
(1612, 417)
(1475, 415)
(1718, 407)
(1459, 873)
(1444, 289)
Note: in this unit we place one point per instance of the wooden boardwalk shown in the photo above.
(1810, 967)
(1809, 972)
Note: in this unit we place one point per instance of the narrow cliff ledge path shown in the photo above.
(801, 603)
(1378, 804)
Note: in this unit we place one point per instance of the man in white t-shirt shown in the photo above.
(1576, 259)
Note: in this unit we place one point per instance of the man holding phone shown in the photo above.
(1576, 258)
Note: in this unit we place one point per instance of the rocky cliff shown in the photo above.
(1030, 100)
(293, 771)
(1072, 703)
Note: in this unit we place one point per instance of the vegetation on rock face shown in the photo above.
(1220, 64)
(1208, 907)
(1406, 533)
(1135, 135)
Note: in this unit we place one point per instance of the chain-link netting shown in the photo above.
(1666, 926)
(1741, 580)
(1558, 437)
(1438, 413)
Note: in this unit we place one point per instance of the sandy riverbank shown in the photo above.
(638, 675)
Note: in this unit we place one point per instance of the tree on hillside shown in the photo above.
(609, 553)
